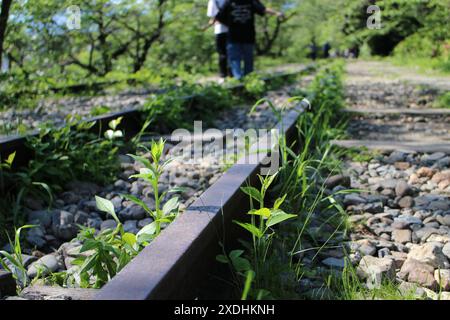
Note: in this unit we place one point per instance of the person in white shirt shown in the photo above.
(221, 32)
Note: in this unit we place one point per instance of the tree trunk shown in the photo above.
(4, 14)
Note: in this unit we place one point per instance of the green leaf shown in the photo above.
(279, 202)
(251, 228)
(90, 244)
(253, 193)
(142, 160)
(106, 206)
(146, 234)
(129, 238)
(114, 123)
(222, 259)
(263, 212)
(10, 159)
(250, 275)
(236, 253)
(279, 217)
(170, 206)
(241, 264)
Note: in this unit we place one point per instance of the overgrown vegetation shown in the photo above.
(103, 254)
(443, 101)
(268, 267)
(61, 155)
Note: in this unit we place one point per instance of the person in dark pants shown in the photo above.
(239, 17)
(221, 32)
(326, 50)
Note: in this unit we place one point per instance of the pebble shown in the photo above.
(108, 224)
(48, 263)
(376, 270)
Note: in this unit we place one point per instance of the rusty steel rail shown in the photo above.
(177, 263)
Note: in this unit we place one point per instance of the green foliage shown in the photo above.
(267, 268)
(178, 108)
(60, 156)
(253, 271)
(15, 263)
(102, 255)
(151, 173)
(362, 154)
(73, 152)
(443, 101)
(254, 85)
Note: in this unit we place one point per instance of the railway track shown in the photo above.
(397, 213)
(221, 197)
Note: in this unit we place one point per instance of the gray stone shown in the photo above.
(439, 205)
(70, 197)
(63, 218)
(406, 202)
(376, 270)
(389, 183)
(42, 217)
(443, 163)
(432, 158)
(136, 188)
(94, 223)
(446, 250)
(432, 225)
(401, 236)
(408, 220)
(403, 189)
(353, 199)
(117, 202)
(120, 184)
(130, 226)
(83, 188)
(46, 264)
(134, 212)
(442, 277)
(396, 156)
(142, 223)
(431, 254)
(40, 292)
(108, 224)
(399, 258)
(424, 233)
(412, 264)
(367, 250)
(376, 207)
(334, 263)
(337, 180)
(36, 237)
(444, 220)
(81, 217)
(67, 232)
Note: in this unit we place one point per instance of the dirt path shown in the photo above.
(401, 221)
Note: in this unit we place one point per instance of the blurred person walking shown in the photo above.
(239, 17)
(221, 33)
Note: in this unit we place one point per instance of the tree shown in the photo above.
(4, 15)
